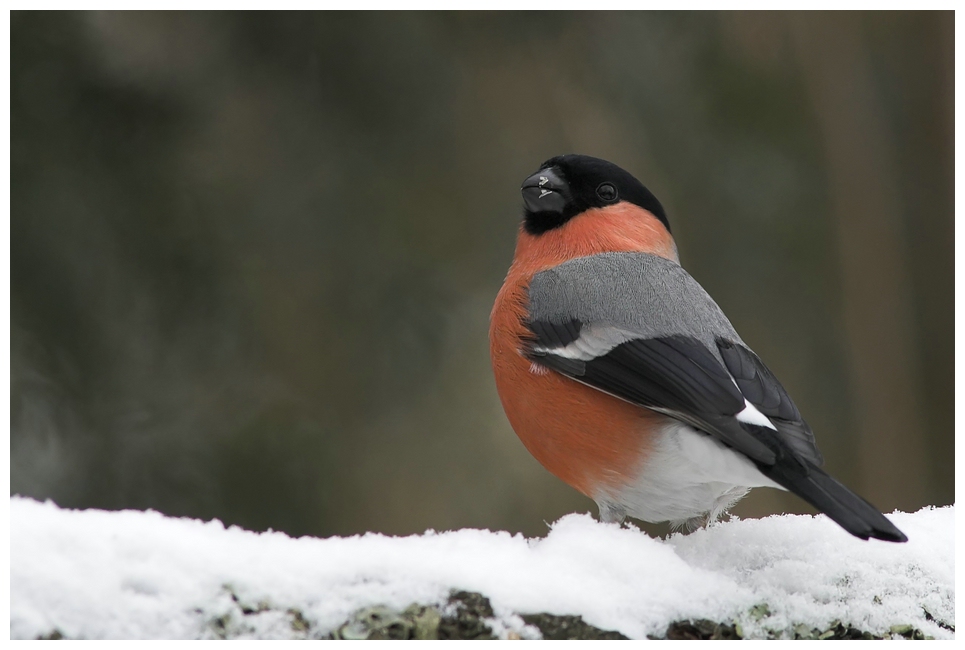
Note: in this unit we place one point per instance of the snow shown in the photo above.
(140, 575)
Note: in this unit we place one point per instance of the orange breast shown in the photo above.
(589, 439)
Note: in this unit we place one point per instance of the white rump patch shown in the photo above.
(751, 415)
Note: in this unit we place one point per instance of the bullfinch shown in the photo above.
(625, 379)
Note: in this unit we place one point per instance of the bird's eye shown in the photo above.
(607, 192)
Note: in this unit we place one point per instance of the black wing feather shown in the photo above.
(677, 375)
(762, 389)
(757, 382)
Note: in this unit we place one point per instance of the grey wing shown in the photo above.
(639, 327)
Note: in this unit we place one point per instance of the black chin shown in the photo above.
(536, 223)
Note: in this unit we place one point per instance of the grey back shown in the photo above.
(646, 295)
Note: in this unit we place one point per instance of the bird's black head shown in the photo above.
(567, 185)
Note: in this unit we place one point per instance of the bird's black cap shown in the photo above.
(567, 185)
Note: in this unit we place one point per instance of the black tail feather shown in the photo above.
(843, 506)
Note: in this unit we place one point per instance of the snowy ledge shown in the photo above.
(140, 575)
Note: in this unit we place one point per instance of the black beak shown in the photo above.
(545, 191)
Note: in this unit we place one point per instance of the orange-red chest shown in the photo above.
(589, 439)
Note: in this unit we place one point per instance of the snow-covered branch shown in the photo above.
(131, 574)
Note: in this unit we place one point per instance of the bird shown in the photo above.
(623, 377)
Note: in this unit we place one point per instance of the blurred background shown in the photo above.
(253, 254)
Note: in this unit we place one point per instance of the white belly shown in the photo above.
(689, 478)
